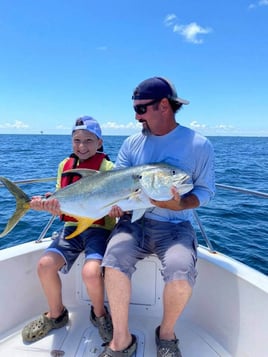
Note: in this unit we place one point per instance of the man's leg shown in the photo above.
(121, 256)
(118, 287)
(175, 297)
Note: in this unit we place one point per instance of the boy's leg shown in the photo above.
(93, 280)
(57, 316)
(92, 274)
(48, 268)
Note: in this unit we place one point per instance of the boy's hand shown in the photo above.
(38, 203)
(53, 206)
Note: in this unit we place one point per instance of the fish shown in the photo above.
(93, 196)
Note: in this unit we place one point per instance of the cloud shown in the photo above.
(16, 125)
(188, 32)
(191, 31)
(258, 3)
(114, 125)
(217, 129)
(224, 127)
(170, 20)
(195, 125)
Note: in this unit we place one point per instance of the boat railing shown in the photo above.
(225, 187)
(45, 230)
(242, 190)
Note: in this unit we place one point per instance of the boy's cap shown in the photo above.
(89, 124)
(157, 88)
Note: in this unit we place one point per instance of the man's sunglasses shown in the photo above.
(142, 108)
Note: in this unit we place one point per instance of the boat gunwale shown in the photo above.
(221, 260)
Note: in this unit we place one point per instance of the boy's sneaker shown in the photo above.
(166, 348)
(103, 323)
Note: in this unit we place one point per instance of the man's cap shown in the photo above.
(157, 88)
(88, 123)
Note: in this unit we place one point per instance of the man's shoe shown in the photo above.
(104, 324)
(127, 352)
(166, 348)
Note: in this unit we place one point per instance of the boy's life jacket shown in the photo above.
(93, 163)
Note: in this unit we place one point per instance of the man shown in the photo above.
(164, 229)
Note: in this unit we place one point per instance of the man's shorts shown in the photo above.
(174, 244)
(93, 241)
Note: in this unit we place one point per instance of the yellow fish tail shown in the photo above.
(22, 205)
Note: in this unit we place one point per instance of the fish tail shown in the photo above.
(82, 224)
(22, 205)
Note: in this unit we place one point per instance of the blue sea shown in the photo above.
(236, 224)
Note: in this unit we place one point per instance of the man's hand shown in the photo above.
(178, 203)
(172, 204)
(116, 212)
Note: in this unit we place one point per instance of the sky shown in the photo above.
(61, 59)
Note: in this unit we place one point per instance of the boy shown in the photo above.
(62, 253)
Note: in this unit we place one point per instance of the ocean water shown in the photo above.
(235, 223)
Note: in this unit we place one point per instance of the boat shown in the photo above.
(226, 316)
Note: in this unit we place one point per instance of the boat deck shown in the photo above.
(80, 339)
(225, 317)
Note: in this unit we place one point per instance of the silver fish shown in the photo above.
(93, 196)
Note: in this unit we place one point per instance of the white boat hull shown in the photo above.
(227, 314)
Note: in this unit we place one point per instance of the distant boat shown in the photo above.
(227, 314)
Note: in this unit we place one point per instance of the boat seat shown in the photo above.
(147, 282)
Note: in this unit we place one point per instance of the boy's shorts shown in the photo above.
(93, 241)
(174, 244)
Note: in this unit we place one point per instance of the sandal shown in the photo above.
(127, 352)
(166, 348)
(40, 327)
(103, 323)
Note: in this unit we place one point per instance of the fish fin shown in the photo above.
(82, 224)
(22, 205)
(82, 172)
(137, 214)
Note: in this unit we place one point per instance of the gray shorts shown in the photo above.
(174, 244)
(93, 241)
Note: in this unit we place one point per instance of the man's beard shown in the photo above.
(145, 129)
